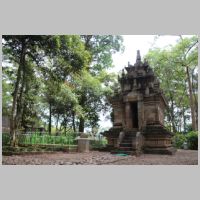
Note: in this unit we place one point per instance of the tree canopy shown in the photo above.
(176, 67)
(56, 79)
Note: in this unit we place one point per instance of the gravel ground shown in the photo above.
(182, 157)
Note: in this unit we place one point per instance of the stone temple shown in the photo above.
(138, 109)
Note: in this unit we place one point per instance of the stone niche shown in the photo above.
(139, 113)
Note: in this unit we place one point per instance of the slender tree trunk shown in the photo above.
(23, 111)
(195, 101)
(13, 120)
(82, 120)
(20, 105)
(194, 125)
(58, 116)
(184, 120)
(81, 125)
(171, 114)
(65, 125)
(50, 118)
(73, 122)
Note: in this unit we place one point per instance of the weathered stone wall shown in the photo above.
(149, 113)
(158, 142)
(118, 110)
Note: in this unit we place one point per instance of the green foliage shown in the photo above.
(37, 139)
(178, 140)
(6, 139)
(99, 143)
(6, 97)
(61, 79)
(192, 139)
(8, 150)
(170, 65)
(101, 48)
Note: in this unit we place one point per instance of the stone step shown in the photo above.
(118, 151)
(125, 148)
(130, 133)
(130, 129)
(127, 140)
(125, 145)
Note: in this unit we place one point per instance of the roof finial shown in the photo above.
(138, 59)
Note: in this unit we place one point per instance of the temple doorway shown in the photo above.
(134, 110)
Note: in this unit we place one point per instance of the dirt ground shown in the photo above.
(182, 157)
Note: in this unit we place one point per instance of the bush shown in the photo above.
(99, 143)
(6, 139)
(178, 140)
(192, 139)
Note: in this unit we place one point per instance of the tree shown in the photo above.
(60, 79)
(175, 65)
(17, 50)
(67, 58)
(101, 48)
(68, 55)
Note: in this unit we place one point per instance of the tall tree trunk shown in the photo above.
(81, 124)
(49, 118)
(13, 119)
(82, 120)
(171, 114)
(58, 116)
(184, 120)
(73, 121)
(194, 125)
(65, 125)
(20, 104)
(195, 96)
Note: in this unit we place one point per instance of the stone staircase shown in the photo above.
(126, 146)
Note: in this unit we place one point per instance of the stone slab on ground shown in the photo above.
(182, 157)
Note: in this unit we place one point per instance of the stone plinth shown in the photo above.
(83, 145)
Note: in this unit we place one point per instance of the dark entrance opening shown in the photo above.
(134, 110)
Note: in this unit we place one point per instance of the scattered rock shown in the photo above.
(182, 157)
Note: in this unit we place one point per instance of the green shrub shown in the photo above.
(45, 139)
(6, 139)
(192, 139)
(99, 143)
(178, 140)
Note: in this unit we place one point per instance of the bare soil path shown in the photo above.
(182, 157)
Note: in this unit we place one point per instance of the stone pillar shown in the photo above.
(83, 145)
